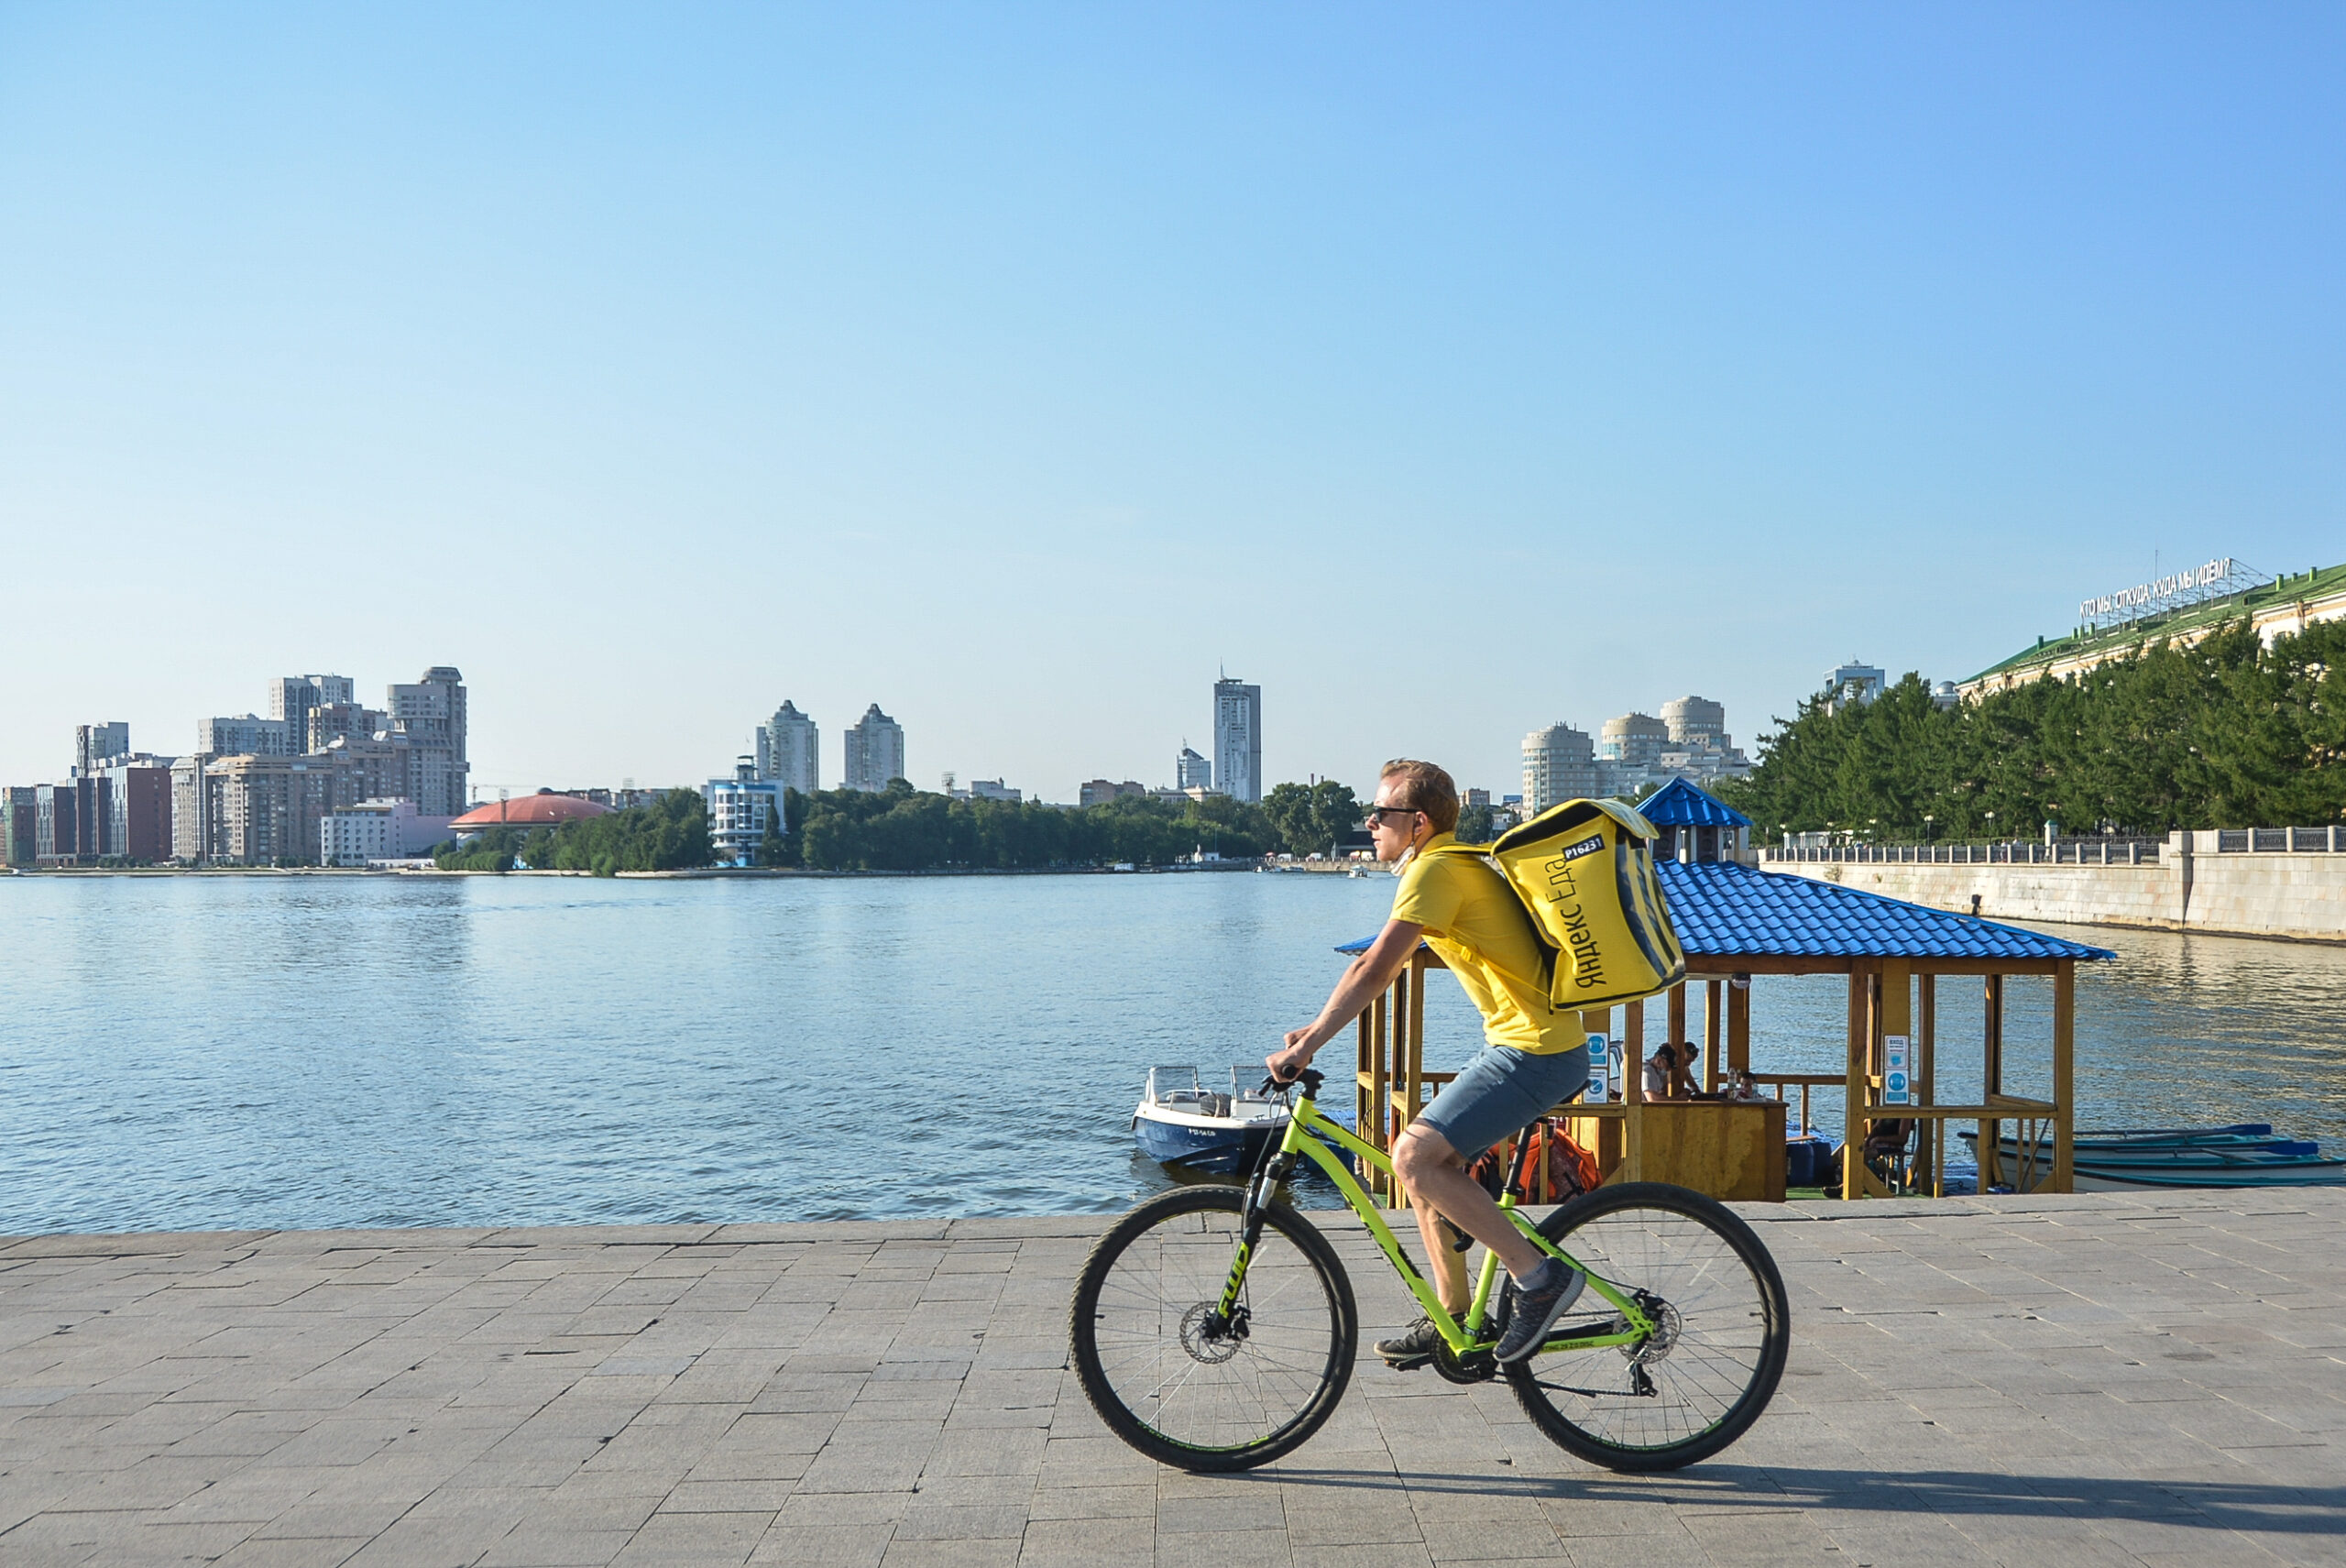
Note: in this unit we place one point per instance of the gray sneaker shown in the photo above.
(1412, 1347)
(1537, 1305)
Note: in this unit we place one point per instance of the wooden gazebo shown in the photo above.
(1738, 924)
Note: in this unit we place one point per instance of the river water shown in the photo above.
(234, 1052)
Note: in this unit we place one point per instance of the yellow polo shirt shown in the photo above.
(1474, 920)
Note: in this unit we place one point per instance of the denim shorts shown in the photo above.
(1502, 1092)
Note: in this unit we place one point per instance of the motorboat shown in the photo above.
(1180, 1120)
(2245, 1155)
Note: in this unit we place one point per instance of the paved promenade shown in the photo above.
(2059, 1383)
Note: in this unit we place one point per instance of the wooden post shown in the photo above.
(1408, 1061)
(2065, 1031)
(1678, 1083)
(1712, 1035)
(1633, 1092)
(1739, 1027)
(1380, 1013)
(1895, 1015)
(1991, 1082)
(1853, 1082)
(1366, 1079)
(1932, 1145)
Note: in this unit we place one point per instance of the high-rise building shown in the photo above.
(93, 744)
(134, 802)
(875, 751)
(1191, 770)
(742, 810)
(1238, 738)
(262, 810)
(1636, 738)
(246, 736)
(1559, 764)
(431, 714)
(790, 751)
(1852, 682)
(1693, 720)
(191, 820)
(18, 816)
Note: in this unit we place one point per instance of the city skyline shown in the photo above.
(1889, 334)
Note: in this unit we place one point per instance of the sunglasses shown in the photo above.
(1379, 812)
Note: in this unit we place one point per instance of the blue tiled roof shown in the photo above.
(1679, 804)
(1723, 910)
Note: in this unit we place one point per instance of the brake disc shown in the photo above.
(1211, 1349)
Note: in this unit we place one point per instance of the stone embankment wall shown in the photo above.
(2300, 897)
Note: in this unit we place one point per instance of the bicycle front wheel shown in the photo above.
(1157, 1369)
(1724, 1329)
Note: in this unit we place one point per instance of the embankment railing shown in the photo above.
(2101, 850)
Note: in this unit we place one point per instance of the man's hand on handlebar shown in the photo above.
(1286, 1065)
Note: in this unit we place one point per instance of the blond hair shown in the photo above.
(1426, 788)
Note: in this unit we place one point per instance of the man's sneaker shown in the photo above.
(1539, 1302)
(1411, 1348)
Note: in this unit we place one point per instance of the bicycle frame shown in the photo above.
(1307, 1134)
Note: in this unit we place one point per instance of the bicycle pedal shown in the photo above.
(1409, 1362)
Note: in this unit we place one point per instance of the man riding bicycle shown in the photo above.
(1533, 1059)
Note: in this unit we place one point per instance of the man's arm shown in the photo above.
(1365, 979)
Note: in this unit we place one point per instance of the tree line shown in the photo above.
(2224, 733)
(902, 829)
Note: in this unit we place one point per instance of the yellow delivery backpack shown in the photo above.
(1585, 870)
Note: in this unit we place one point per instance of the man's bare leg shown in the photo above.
(1435, 1176)
(1445, 1266)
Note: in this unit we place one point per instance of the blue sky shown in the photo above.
(1446, 370)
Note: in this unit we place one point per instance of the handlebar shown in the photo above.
(1310, 1078)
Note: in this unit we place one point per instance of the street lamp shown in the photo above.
(1927, 820)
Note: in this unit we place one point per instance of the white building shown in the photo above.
(742, 809)
(790, 751)
(875, 751)
(1691, 720)
(1636, 738)
(431, 714)
(378, 830)
(1852, 682)
(990, 789)
(1559, 764)
(1238, 738)
(1191, 770)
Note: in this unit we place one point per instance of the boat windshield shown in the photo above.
(1175, 1085)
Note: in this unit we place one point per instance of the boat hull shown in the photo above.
(1203, 1143)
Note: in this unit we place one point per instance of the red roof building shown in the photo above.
(543, 809)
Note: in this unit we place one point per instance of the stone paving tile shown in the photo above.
(2090, 1380)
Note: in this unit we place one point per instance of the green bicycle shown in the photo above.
(1214, 1327)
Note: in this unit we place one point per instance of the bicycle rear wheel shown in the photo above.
(1724, 1330)
(1153, 1367)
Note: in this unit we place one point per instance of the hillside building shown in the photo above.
(2282, 608)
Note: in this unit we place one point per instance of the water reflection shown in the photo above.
(230, 1052)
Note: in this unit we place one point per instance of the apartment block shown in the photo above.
(790, 751)
(18, 812)
(431, 714)
(875, 751)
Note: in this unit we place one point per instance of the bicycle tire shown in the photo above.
(1717, 1367)
(1140, 1290)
